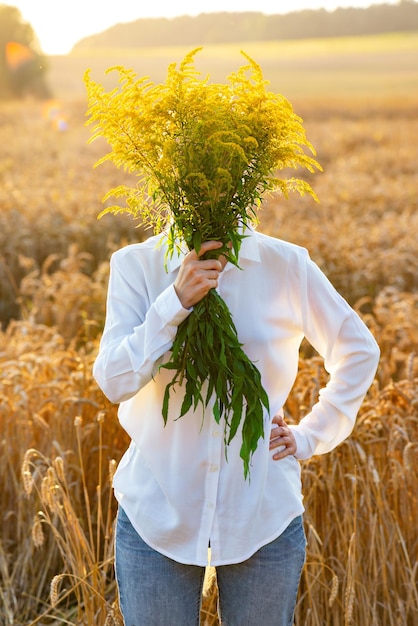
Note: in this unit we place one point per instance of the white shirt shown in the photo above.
(175, 483)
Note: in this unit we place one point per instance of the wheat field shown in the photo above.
(60, 438)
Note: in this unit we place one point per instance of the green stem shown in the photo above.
(206, 353)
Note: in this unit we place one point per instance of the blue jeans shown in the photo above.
(157, 591)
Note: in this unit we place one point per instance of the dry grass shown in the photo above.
(61, 438)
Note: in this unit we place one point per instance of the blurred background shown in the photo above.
(305, 48)
(350, 70)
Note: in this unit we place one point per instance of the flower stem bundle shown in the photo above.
(207, 354)
(204, 154)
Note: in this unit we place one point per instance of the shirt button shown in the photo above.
(216, 433)
(213, 468)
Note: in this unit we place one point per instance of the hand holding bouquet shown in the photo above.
(205, 154)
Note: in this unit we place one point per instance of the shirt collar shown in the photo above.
(249, 251)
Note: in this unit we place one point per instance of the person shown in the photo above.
(179, 491)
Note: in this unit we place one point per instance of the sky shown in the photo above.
(59, 25)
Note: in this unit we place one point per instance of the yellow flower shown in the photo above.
(205, 153)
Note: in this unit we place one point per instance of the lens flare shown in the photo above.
(18, 54)
(52, 112)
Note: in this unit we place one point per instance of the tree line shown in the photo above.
(226, 27)
(23, 66)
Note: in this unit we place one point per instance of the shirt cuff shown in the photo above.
(303, 450)
(169, 308)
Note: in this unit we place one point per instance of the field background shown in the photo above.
(60, 437)
(376, 66)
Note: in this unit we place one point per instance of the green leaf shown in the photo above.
(237, 406)
(165, 403)
(197, 240)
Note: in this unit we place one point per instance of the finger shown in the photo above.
(285, 447)
(193, 264)
(278, 438)
(278, 426)
(282, 453)
(281, 440)
(209, 245)
(278, 419)
(210, 264)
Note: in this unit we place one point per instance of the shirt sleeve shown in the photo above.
(350, 355)
(137, 333)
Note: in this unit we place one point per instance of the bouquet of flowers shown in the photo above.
(204, 155)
